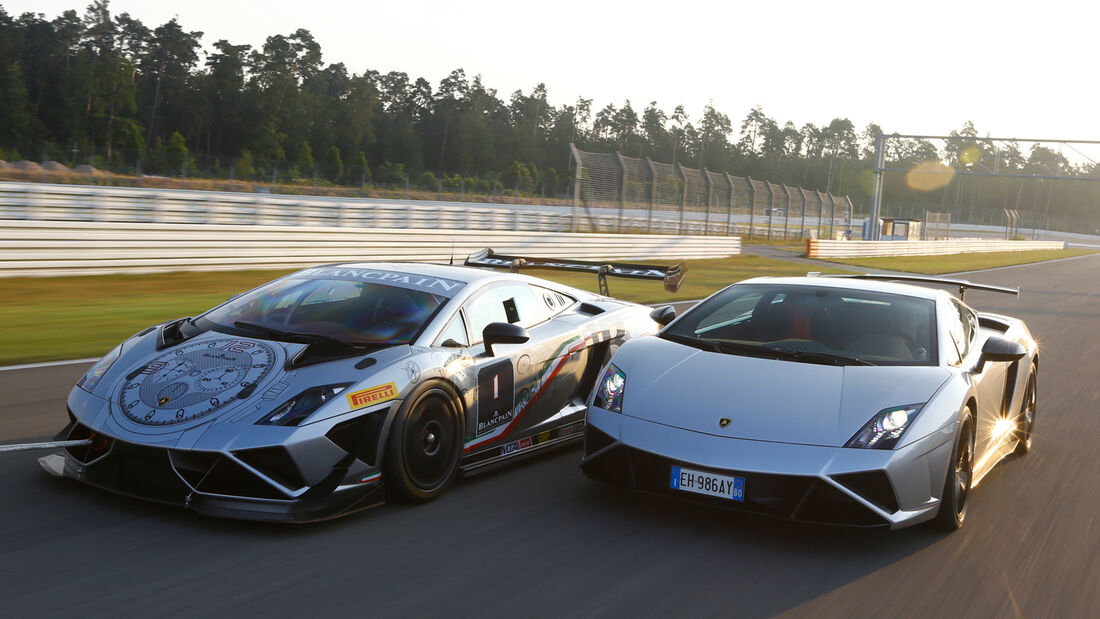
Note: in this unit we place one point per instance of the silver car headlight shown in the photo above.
(296, 409)
(95, 373)
(609, 393)
(885, 429)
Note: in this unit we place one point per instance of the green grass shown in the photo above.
(955, 263)
(51, 318)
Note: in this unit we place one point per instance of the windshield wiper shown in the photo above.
(814, 356)
(295, 336)
(694, 342)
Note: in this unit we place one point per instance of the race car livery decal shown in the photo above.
(496, 385)
(529, 395)
(194, 380)
(366, 479)
(374, 395)
(435, 285)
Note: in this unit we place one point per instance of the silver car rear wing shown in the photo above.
(962, 284)
(672, 276)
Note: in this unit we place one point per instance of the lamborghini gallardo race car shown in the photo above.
(320, 392)
(831, 400)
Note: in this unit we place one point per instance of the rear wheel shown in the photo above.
(425, 443)
(1026, 419)
(960, 477)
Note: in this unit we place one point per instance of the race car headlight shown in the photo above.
(296, 409)
(609, 393)
(94, 374)
(885, 429)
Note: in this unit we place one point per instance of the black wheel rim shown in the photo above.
(1027, 415)
(964, 473)
(430, 442)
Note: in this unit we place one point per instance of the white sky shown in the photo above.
(1017, 69)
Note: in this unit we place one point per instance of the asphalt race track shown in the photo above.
(539, 539)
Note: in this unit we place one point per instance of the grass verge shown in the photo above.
(52, 318)
(957, 263)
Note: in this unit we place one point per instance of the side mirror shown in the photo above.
(663, 315)
(502, 333)
(1000, 349)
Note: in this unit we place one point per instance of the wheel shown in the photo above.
(960, 474)
(1026, 419)
(425, 444)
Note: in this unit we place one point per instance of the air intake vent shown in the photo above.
(359, 436)
(873, 486)
(276, 463)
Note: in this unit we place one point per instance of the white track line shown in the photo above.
(31, 366)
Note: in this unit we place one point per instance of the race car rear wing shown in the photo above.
(963, 284)
(672, 276)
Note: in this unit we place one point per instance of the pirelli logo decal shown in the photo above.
(374, 395)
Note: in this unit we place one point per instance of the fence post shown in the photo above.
(683, 194)
(802, 225)
(832, 214)
(652, 194)
(771, 207)
(710, 198)
(820, 211)
(622, 189)
(576, 185)
(852, 215)
(752, 204)
(729, 209)
(786, 211)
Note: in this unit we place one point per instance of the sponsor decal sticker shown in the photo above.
(154, 367)
(435, 285)
(373, 395)
(275, 390)
(515, 446)
(412, 372)
(366, 479)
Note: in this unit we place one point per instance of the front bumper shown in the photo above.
(252, 484)
(854, 487)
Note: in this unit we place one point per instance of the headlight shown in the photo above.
(885, 428)
(92, 377)
(296, 409)
(609, 393)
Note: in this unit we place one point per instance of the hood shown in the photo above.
(765, 399)
(215, 378)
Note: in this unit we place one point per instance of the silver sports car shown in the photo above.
(313, 394)
(836, 400)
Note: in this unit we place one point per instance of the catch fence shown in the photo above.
(658, 192)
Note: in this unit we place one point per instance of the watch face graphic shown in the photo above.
(194, 380)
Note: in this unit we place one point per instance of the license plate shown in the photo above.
(710, 484)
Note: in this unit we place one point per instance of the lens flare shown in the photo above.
(971, 155)
(929, 175)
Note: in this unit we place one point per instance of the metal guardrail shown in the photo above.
(38, 248)
(865, 249)
(58, 202)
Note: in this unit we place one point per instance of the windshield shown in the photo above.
(815, 324)
(354, 312)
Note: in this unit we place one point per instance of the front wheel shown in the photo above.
(1026, 420)
(425, 443)
(960, 478)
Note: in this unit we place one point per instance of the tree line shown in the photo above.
(108, 90)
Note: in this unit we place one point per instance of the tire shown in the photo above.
(425, 444)
(960, 475)
(1025, 422)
